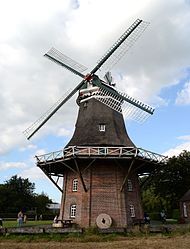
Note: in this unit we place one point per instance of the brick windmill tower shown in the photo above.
(100, 165)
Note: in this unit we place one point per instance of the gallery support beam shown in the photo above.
(80, 175)
(127, 175)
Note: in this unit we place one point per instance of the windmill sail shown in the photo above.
(118, 49)
(65, 61)
(31, 130)
(122, 45)
(122, 102)
(106, 90)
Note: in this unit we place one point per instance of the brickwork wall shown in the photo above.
(103, 181)
(134, 198)
(80, 198)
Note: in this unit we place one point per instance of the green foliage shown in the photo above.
(41, 202)
(152, 202)
(18, 194)
(173, 181)
(167, 186)
(20, 185)
(154, 215)
(175, 214)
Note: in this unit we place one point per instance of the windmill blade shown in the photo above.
(133, 112)
(122, 45)
(66, 62)
(31, 130)
(122, 102)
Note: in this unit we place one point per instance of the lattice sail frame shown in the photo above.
(63, 60)
(115, 102)
(125, 46)
(32, 127)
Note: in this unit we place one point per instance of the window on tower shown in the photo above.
(73, 210)
(132, 210)
(102, 127)
(75, 185)
(129, 185)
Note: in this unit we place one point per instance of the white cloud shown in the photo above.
(183, 97)
(40, 152)
(186, 137)
(185, 145)
(12, 165)
(28, 147)
(64, 132)
(33, 173)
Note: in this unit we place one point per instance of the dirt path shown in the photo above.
(182, 242)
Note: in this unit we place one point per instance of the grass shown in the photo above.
(119, 242)
(13, 223)
(90, 235)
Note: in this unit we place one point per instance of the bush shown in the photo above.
(176, 214)
(155, 216)
(8, 215)
(48, 216)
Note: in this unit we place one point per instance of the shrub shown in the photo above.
(175, 214)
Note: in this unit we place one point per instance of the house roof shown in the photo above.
(186, 196)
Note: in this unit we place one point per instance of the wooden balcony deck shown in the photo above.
(100, 152)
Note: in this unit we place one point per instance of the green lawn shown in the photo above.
(13, 223)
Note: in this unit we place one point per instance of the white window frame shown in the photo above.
(75, 185)
(102, 127)
(129, 185)
(132, 210)
(185, 210)
(73, 210)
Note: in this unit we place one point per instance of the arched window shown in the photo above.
(75, 185)
(185, 210)
(132, 210)
(129, 185)
(73, 210)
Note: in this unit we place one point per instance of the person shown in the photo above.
(146, 218)
(20, 218)
(163, 216)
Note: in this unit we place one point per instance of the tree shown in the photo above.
(41, 202)
(18, 194)
(21, 185)
(152, 203)
(171, 183)
(174, 180)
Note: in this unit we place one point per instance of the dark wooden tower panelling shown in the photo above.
(93, 117)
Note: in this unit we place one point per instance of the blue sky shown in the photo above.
(156, 71)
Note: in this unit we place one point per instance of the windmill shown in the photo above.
(100, 164)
